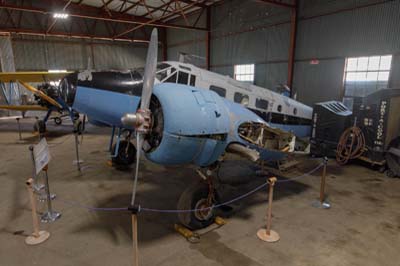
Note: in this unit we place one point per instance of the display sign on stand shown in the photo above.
(42, 155)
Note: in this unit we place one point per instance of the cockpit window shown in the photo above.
(162, 66)
(171, 79)
(163, 74)
(192, 80)
(183, 77)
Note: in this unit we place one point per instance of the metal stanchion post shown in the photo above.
(322, 202)
(78, 162)
(36, 186)
(37, 236)
(50, 215)
(19, 128)
(135, 241)
(267, 234)
(135, 252)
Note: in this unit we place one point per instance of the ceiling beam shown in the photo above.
(67, 34)
(278, 3)
(196, 3)
(156, 20)
(99, 14)
(165, 5)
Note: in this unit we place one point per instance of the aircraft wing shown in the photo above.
(25, 77)
(32, 76)
(23, 108)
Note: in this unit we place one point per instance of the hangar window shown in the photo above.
(262, 104)
(183, 77)
(241, 98)
(364, 75)
(220, 91)
(244, 73)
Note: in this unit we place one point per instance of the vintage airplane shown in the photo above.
(177, 115)
(45, 95)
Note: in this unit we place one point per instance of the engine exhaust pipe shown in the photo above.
(243, 151)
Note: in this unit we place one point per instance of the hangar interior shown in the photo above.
(304, 91)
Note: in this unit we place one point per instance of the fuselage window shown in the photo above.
(295, 111)
(262, 104)
(183, 77)
(192, 80)
(220, 91)
(171, 79)
(241, 98)
(279, 108)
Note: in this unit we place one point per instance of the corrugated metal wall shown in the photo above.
(9, 93)
(187, 41)
(36, 53)
(330, 31)
(362, 28)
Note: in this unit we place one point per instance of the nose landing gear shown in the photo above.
(201, 198)
(126, 154)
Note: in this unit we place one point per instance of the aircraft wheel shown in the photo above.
(195, 197)
(124, 157)
(39, 126)
(57, 121)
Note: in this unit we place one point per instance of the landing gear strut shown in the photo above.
(126, 154)
(200, 197)
(39, 126)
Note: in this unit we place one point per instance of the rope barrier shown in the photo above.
(76, 204)
(89, 208)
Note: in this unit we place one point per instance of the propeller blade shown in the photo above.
(40, 94)
(150, 70)
(139, 144)
(141, 119)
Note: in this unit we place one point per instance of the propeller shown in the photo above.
(40, 94)
(141, 120)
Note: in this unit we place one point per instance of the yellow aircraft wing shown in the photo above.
(33, 76)
(23, 108)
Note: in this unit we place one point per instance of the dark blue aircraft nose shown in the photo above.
(126, 82)
(67, 88)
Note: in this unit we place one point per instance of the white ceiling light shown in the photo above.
(60, 15)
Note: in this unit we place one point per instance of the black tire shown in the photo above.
(389, 173)
(39, 126)
(57, 121)
(124, 158)
(190, 199)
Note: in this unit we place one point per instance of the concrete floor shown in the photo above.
(362, 227)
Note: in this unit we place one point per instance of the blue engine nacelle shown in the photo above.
(195, 123)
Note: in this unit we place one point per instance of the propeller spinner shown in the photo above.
(141, 120)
